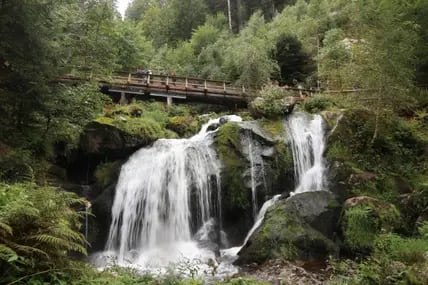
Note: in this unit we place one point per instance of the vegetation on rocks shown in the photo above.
(376, 50)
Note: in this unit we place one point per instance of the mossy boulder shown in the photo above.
(246, 150)
(363, 219)
(300, 227)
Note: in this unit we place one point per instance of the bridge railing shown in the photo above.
(177, 83)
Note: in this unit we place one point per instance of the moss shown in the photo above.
(275, 128)
(107, 173)
(283, 161)
(184, 126)
(284, 234)
(228, 145)
(396, 154)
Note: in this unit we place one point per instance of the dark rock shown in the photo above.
(213, 127)
(100, 143)
(223, 120)
(300, 227)
(99, 223)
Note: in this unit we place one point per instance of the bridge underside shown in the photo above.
(175, 95)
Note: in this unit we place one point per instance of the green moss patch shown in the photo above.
(228, 145)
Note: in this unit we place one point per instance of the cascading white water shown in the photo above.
(253, 175)
(159, 186)
(305, 134)
(232, 253)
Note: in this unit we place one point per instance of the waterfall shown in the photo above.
(165, 194)
(232, 253)
(249, 141)
(305, 135)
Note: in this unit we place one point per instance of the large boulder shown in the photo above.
(300, 227)
(251, 158)
(100, 143)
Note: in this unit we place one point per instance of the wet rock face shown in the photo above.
(300, 227)
(251, 158)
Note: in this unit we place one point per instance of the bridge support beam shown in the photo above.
(123, 100)
(169, 100)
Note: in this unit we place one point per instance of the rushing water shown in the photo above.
(167, 207)
(305, 135)
(165, 194)
(251, 149)
(232, 253)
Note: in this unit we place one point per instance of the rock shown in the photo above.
(266, 168)
(296, 228)
(223, 120)
(256, 132)
(99, 223)
(213, 127)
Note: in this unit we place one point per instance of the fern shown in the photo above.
(5, 228)
(48, 227)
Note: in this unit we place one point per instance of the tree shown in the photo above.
(133, 48)
(187, 16)
(294, 63)
(248, 60)
(333, 56)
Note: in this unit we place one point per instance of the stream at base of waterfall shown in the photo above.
(167, 215)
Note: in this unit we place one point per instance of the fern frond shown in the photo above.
(6, 252)
(6, 228)
(25, 249)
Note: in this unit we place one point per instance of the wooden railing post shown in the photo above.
(205, 84)
(186, 82)
(148, 79)
(129, 78)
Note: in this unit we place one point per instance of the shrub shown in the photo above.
(363, 222)
(317, 104)
(273, 101)
(184, 126)
(39, 229)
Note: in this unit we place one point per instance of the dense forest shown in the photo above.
(367, 60)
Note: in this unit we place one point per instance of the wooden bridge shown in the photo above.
(145, 85)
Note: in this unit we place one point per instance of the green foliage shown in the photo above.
(361, 227)
(273, 102)
(106, 173)
(248, 58)
(363, 222)
(38, 229)
(293, 61)
(133, 49)
(184, 126)
(317, 104)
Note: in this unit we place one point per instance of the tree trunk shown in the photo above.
(229, 13)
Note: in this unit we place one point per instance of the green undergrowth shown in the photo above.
(39, 229)
(84, 274)
(395, 260)
(383, 166)
(362, 223)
